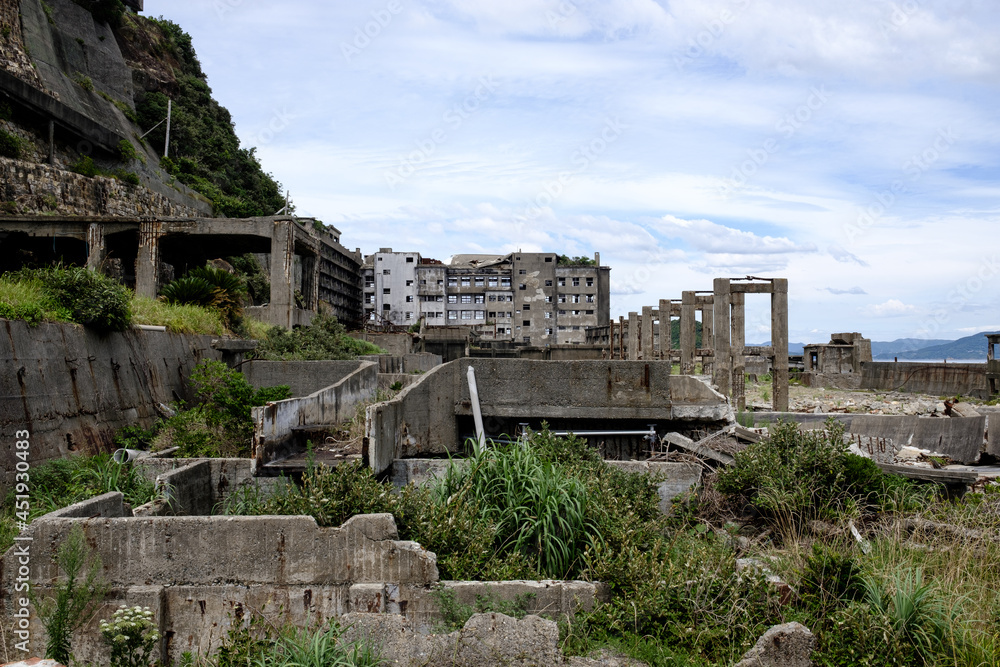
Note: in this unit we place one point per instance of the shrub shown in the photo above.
(190, 291)
(326, 338)
(798, 475)
(126, 151)
(220, 424)
(105, 11)
(94, 300)
(10, 144)
(85, 167)
(257, 282)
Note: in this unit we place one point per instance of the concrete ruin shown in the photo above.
(434, 416)
(724, 353)
(843, 354)
(147, 253)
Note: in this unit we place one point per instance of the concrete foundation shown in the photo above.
(430, 417)
(275, 423)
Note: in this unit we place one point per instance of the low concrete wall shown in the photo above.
(198, 573)
(72, 389)
(959, 438)
(394, 344)
(188, 489)
(407, 363)
(935, 379)
(302, 377)
(273, 423)
(422, 419)
(109, 505)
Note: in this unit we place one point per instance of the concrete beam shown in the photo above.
(282, 274)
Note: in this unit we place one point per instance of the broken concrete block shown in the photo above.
(964, 410)
(34, 662)
(785, 591)
(690, 445)
(486, 639)
(787, 645)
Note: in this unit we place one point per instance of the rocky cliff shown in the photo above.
(80, 92)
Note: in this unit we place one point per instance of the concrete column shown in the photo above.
(646, 347)
(621, 337)
(665, 341)
(721, 321)
(96, 251)
(633, 336)
(738, 342)
(688, 331)
(279, 312)
(147, 262)
(707, 337)
(310, 282)
(779, 340)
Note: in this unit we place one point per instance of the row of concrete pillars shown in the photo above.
(723, 349)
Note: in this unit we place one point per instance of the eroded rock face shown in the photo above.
(787, 645)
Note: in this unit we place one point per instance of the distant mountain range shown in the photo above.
(970, 347)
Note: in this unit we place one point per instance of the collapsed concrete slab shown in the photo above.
(432, 416)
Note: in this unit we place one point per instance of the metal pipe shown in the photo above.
(564, 433)
(477, 413)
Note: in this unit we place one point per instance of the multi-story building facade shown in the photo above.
(527, 298)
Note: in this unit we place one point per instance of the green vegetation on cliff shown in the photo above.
(205, 152)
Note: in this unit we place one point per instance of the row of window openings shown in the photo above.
(485, 282)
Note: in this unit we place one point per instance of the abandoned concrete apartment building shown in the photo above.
(525, 298)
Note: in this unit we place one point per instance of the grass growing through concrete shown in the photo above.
(62, 482)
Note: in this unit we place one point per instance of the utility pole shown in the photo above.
(166, 144)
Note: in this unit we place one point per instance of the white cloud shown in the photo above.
(891, 308)
(714, 238)
(845, 256)
(851, 290)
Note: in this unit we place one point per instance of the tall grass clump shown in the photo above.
(533, 506)
(62, 482)
(25, 298)
(256, 642)
(181, 319)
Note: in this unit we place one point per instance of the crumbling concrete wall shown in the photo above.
(302, 377)
(422, 419)
(72, 388)
(935, 379)
(274, 422)
(196, 571)
(203, 575)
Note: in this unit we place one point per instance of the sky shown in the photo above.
(851, 146)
